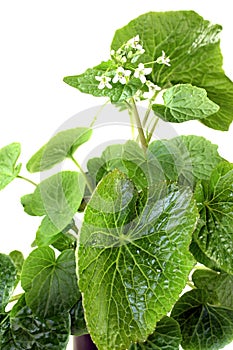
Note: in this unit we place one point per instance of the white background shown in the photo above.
(43, 41)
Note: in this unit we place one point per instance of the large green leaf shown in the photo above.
(214, 232)
(23, 330)
(192, 45)
(166, 336)
(203, 326)
(7, 280)
(132, 264)
(87, 83)
(220, 283)
(58, 199)
(59, 147)
(8, 168)
(187, 159)
(185, 102)
(50, 284)
(201, 257)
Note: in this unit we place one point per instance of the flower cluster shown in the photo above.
(129, 53)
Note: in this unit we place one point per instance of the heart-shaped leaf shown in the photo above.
(132, 264)
(50, 284)
(58, 199)
(203, 326)
(184, 102)
(8, 168)
(186, 159)
(59, 147)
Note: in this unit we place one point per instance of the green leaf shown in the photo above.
(18, 260)
(220, 283)
(58, 198)
(166, 336)
(88, 84)
(50, 284)
(78, 324)
(215, 204)
(64, 241)
(59, 147)
(27, 331)
(130, 159)
(203, 326)
(8, 168)
(186, 159)
(26, 202)
(132, 266)
(7, 280)
(193, 47)
(185, 102)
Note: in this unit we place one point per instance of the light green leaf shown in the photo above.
(18, 260)
(59, 147)
(7, 280)
(50, 284)
(8, 168)
(58, 198)
(26, 331)
(132, 264)
(192, 45)
(214, 232)
(186, 159)
(87, 83)
(78, 324)
(220, 283)
(166, 336)
(184, 102)
(203, 326)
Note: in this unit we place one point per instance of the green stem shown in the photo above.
(147, 114)
(138, 124)
(152, 130)
(88, 183)
(26, 179)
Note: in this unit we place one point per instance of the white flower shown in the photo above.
(163, 59)
(104, 81)
(141, 71)
(152, 90)
(134, 43)
(122, 75)
(118, 55)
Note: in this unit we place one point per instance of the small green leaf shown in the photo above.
(193, 47)
(64, 241)
(7, 280)
(8, 168)
(220, 283)
(59, 147)
(78, 324)
(203, 326)
(58, 198)
(50, 284)
(186, 159)
(166, 336)
(215, 204)
(27, 331)
(132, 266)
(184, 102)
(87, 83)
(26, 202)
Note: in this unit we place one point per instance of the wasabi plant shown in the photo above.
(152, 265)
